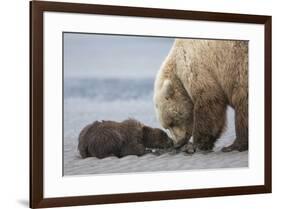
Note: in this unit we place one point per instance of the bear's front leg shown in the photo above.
(209, 120)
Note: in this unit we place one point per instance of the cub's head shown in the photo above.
(174, 110)
(156, 138)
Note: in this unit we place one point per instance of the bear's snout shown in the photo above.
(183, 141)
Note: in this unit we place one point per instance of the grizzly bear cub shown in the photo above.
(129, 137)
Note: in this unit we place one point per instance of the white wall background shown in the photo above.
(14, 109)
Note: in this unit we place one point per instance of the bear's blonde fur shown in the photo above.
(194, 85)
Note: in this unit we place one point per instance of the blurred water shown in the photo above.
(108, 89)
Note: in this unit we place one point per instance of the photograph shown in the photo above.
(136, 103)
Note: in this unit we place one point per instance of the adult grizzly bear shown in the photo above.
(196, 82)
(129, 137)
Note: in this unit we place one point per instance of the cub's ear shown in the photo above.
(167, 89)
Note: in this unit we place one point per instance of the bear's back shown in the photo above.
(212, 64)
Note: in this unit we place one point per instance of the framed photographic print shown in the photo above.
(138, 104)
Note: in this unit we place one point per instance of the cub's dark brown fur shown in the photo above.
(130, 137)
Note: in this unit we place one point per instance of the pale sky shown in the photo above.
(90, 55)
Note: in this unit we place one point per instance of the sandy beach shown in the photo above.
(150, 162)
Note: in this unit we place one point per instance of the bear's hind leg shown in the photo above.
(209, 121)
(241, 128)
